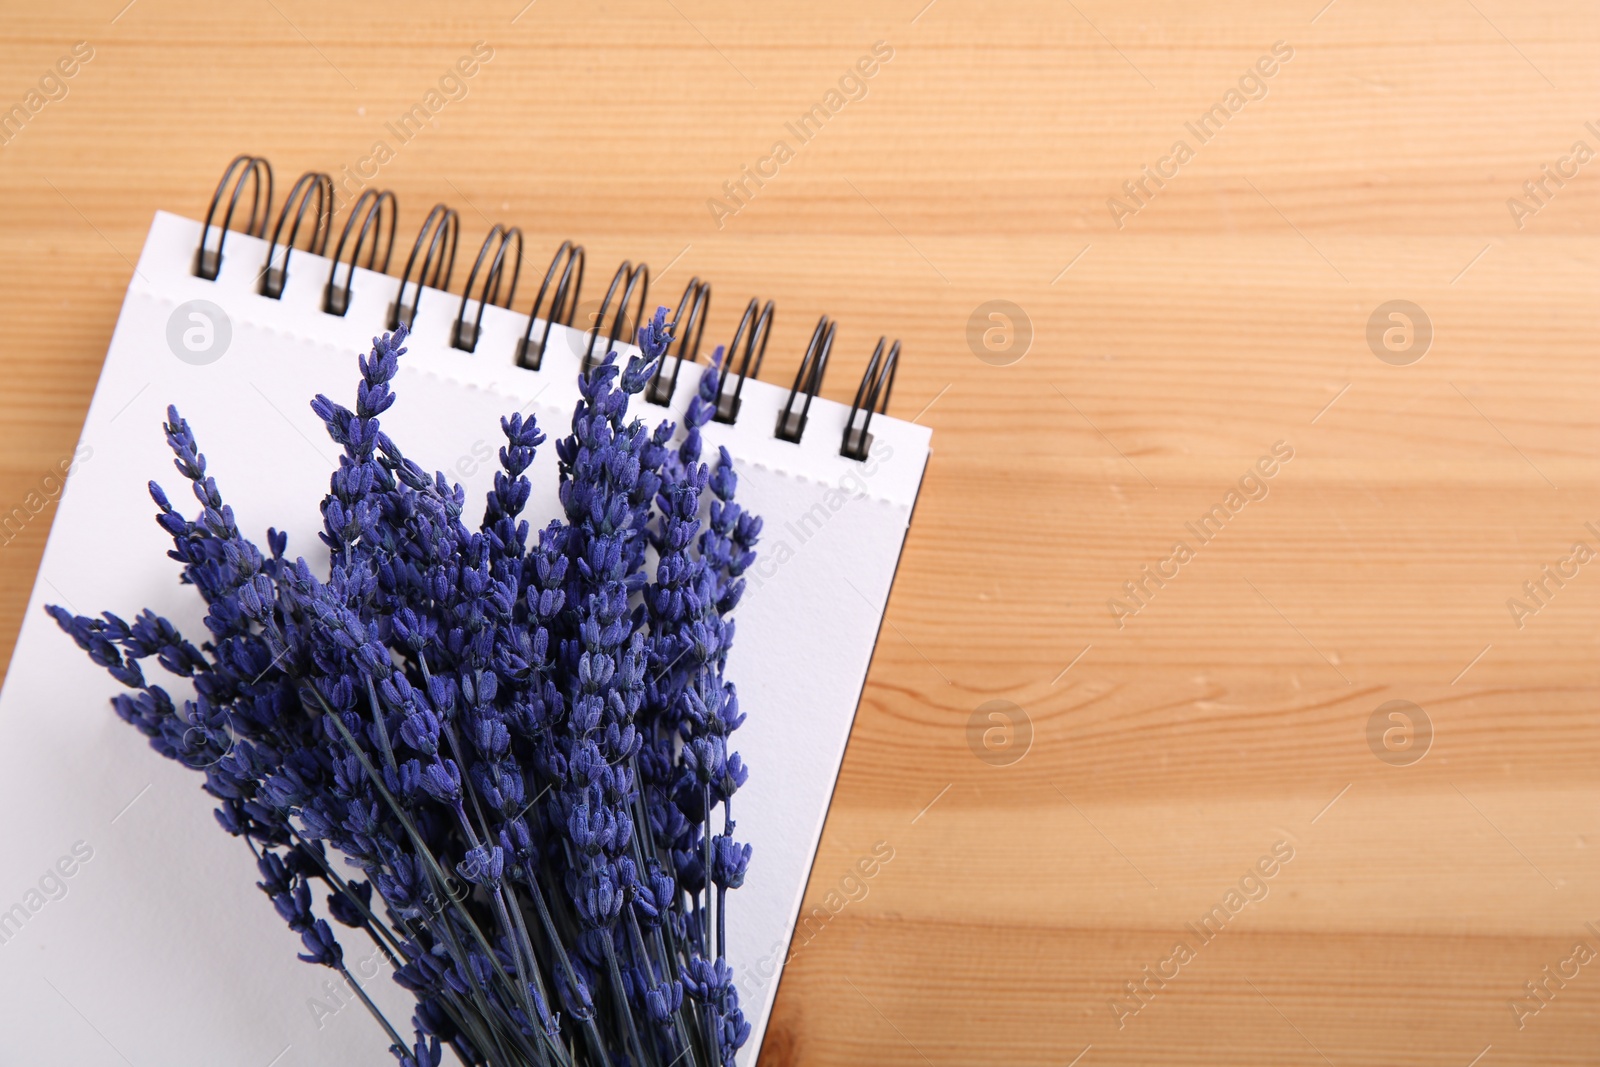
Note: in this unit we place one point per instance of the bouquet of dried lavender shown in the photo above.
(518, 751)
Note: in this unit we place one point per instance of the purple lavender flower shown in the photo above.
(519, 747)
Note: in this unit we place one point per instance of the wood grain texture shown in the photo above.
(1229, 313)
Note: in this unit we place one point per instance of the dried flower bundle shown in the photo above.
(518, 751)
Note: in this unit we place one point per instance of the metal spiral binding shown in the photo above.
(208, 260)
(792, 424)
(629, 277)
(563, 302)
(368, 210)
(274, 275)
(876, 385)
(441, 229)
(755, 330)
(370, 228)
(464, 335)
(688, 326)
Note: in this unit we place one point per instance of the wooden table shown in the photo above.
(1171, 342)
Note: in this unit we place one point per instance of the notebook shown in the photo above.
(131, 930)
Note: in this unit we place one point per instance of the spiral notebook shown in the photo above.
(131, 931)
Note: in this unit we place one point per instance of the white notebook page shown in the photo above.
(158, 948)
